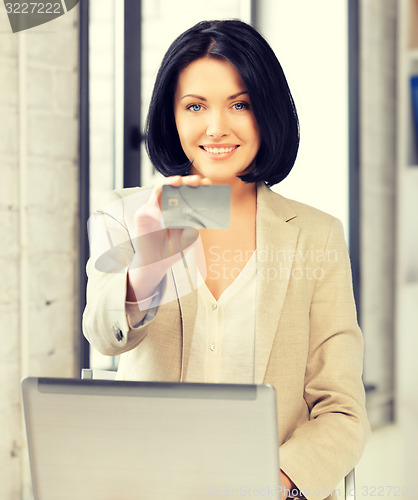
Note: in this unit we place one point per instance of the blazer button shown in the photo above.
(118, 333)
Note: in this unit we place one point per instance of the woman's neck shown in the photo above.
(243, 193)
(243, 202)
(240, 191)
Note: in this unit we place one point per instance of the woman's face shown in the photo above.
(217, 128)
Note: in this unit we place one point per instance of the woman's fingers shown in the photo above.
(178, 180)
(196, 180)
(190, 180)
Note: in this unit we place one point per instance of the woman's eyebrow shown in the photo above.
(195, 96)
(233, 96)
(237, 94)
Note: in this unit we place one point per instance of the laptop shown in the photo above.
(117, 440)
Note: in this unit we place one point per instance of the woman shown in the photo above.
(276, 305)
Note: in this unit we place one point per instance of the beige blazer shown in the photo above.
(308, 343)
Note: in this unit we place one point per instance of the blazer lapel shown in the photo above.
(276, 246)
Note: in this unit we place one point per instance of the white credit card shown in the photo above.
(199, 207)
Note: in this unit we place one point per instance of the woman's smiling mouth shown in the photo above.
(219, 152)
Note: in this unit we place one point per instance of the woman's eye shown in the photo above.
(195, 107)
(239, 106)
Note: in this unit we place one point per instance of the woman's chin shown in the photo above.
(217, 177)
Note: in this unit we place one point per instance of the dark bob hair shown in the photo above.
(271, 100)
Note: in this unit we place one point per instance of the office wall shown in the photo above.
(38, 222)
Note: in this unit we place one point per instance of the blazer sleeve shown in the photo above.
(323, 450)
(105, 321)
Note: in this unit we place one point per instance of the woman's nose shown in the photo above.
(217, 124)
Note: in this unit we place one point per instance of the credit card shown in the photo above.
(199, 207)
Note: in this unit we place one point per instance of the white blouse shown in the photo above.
(223, 343)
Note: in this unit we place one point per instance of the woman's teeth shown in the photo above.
(219, 150)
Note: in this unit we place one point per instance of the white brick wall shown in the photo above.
(38, 223)
(9, 268)
(9, 134)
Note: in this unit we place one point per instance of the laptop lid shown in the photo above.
(114, 440)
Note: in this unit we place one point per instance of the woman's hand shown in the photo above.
(286, 484)
(154, 243)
